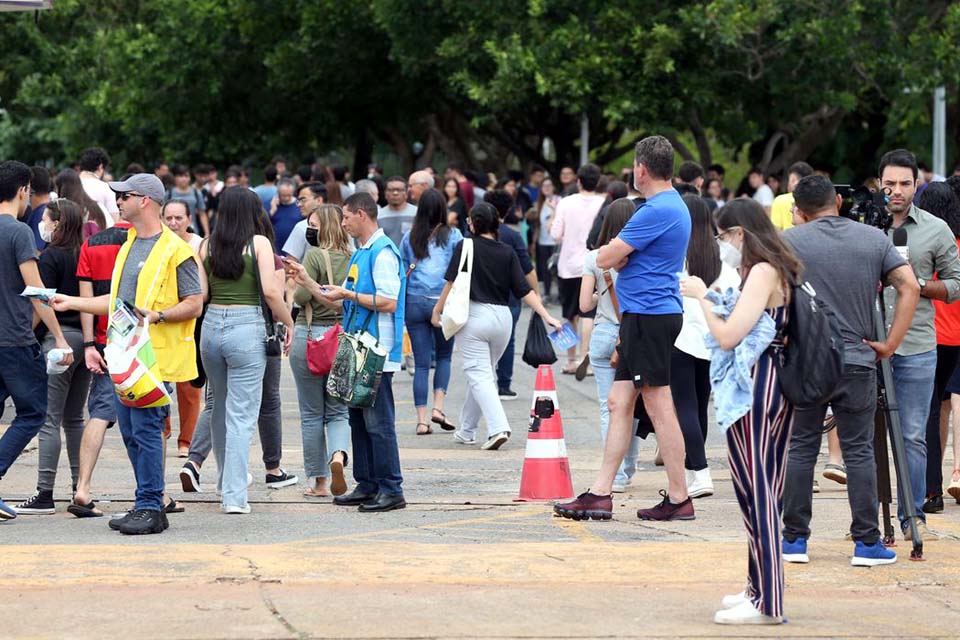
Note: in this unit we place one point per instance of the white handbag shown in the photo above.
(456, 310)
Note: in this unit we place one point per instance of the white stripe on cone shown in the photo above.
(546, 449)
(545, 394)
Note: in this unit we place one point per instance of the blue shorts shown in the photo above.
(101, 403)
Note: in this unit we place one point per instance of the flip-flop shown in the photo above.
(424, 433)
(310, 493)
(173, 507)
(338, 484)
(582, 368)
(446, 426)
(88, 510)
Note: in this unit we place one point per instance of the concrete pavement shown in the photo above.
(463, 560)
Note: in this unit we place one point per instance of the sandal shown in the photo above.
(582, 368)
(173, 507)
(570, 369)
(88, 510)
(311, 493)
(446, 426)
(424, 433)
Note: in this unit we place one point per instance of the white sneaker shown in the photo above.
(744, 613)
(494, 442)
(229, 508)
(249, 478)
(619, 488)
(729, 602)
(459, 437)
(699, 483)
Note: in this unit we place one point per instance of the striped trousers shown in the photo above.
(757, 448)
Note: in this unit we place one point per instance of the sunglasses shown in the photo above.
(129, 194)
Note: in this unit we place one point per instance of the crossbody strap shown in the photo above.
(267, 318)
(309, 306)
(613, 292)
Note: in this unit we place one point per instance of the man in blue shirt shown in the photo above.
(648, 255)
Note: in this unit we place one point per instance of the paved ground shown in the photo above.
(464, 560)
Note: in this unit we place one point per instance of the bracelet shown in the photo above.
(87, 345)
(356, 296)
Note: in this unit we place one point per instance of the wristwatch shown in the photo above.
(160, 318)
(87, 345)
(922, 283)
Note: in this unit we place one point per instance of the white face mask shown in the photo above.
(729, 254)
(46, 232)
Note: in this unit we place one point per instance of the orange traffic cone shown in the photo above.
(546, 470)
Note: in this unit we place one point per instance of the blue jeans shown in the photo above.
(142, 432)
(231, 345)
(603, 341)
(505, 364)
(913, 381)
(324, 426)
(376, 456)
(23, 377)
(427, 342)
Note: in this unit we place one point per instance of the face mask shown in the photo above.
(729, 254)
(313, 237)
(46, 233)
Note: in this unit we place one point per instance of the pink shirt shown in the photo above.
(571, 226)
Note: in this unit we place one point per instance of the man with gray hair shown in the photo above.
(367, 186)
(419, 182)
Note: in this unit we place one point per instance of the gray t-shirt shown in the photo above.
(844, 261)
(605, 310)
(188, 275)
(396, 223)
(16, 313)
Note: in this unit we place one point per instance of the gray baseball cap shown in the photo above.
(143, 183)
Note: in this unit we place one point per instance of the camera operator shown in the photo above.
(844, 261)
(931, 249)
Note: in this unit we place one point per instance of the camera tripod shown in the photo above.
(887, 425)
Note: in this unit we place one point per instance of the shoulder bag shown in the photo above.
(323, 351)
(272, 343)
(358, 366)
(607, 278)
(456, 309)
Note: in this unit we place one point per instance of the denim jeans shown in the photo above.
(231, 345)
(603, 341)
(142, 432)
(505, 364)
(324, 425)
(427, 342)
(913, 380)
(376, 455)
(23, 377)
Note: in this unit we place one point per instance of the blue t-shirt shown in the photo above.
(427, 278)
(34, 217)
(658, 232)
(266, 193)
(284, 220)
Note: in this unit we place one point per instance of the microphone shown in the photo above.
(900, 242)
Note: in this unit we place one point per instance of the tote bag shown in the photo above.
(456, 310)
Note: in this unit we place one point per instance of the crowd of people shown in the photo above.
(678, 294)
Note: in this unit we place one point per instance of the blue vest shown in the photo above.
(360, 279)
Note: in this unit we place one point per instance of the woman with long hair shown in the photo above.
(62, 229)
(547, 202)
(324, 422)
(597, 293)
(690, 360)
(456, 209)
(495, 274)
(426, 250)
(68, 185)
(234, 332)
(757, 442)
(941, 200)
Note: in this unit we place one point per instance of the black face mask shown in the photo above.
(313, 236)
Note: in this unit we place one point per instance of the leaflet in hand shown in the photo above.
(38, 293)
(121, 325)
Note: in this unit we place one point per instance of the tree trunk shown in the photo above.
(818, 126)
(362, 153)
(700, 137)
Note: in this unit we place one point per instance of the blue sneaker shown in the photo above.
(872, 555)
(7, 512)
(795, 551)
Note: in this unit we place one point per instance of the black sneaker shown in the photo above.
(933, 504)
(144, 521)
(190, 478)
(280, 481)
(508, 394)
(39, 504)
(118, 521)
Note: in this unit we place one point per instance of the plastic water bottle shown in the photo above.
(54, 356)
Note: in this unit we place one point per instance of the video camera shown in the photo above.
(862, 205)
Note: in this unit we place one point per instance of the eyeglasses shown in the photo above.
(396, 190)
(720, 235)
(129, 194)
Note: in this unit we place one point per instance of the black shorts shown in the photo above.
(569, 289)
(646, 345)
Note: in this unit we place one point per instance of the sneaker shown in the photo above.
(933, 504)
(408, 364)
(119, 520)
(496, 441)
(699, 483)
(507, 394)
(744, 613)
(872, 555)
(619, 488)
(39, 504)
(795, 551)
(667, 510)
(835, 472)
(280, 481)
(586, 506)
(925, 534)
(816, 486)
(462, 439)
(729, 602)
(6, 511)
(233, 509)
(190, 478)
(657, 458)
(144, 522)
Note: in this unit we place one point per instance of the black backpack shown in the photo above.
(810, 364)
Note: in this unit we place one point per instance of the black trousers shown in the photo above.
(690, 386)
(947, 360)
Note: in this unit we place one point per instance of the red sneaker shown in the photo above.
(586, 506)
(666, 510)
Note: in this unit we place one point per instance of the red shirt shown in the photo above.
(947, 321)
(98, 255)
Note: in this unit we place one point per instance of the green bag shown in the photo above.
(357, 367)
